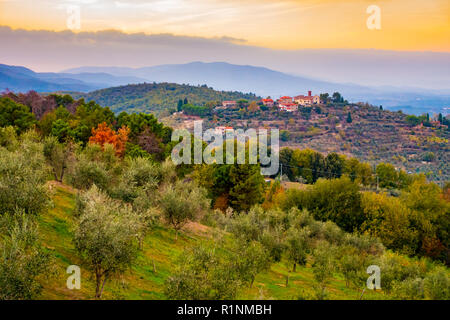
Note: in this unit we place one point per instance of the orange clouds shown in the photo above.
(287, 24)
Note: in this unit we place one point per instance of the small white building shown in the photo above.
(229, 104)
(222, 130)
(288, 107)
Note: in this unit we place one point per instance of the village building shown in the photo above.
(285, 100)
(307, 100)
(222, 130)
(288, 107)
(267, 102)
(229, 104)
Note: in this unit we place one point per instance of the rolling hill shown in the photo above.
(158, 97)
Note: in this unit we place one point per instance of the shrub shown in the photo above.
(437, 285)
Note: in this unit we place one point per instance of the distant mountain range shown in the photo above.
(221, 76)
(21, 79)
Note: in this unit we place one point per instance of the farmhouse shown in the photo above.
(285, 100)
(229, 104)
(267, 102)
(307, 100)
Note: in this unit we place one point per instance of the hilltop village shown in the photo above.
(329, 123)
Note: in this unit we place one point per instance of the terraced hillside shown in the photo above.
(370, 134)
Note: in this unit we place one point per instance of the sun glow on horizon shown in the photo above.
(287, 24)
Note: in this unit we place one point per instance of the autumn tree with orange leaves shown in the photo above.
(104, 134)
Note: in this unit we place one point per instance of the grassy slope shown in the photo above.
(142, 282)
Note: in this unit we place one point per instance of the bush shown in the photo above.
(437, 285)
(87, 173)
(338, 200)
(8, 138)
(410, 289)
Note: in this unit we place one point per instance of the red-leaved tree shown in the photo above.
(104, 134)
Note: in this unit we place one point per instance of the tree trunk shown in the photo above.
(154, 266)
(294, 269)
(55, 174)
(251, 283)
(287, 280)
(360, 298)
(98, 280)
(103, 285)
(62, 174)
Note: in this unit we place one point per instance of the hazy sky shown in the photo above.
(413, 25)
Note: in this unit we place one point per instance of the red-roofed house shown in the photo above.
(307, 100)
(267, 102)
(285, 99)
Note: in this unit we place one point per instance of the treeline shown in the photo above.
(425, 120)
(307, 166)
(416, 223)
(73, 121)
(408, 213)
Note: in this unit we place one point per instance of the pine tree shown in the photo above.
(248, 186)
(349, 118)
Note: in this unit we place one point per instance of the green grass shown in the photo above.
(160, 248)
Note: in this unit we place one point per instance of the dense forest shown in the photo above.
(81, 185)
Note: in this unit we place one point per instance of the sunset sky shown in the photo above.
(411, 25)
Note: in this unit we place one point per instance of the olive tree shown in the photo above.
(57, 156)
(22, 178)
(23, 262)
(323, 267)
(204, 273)
(250, 260)
(105, 237)
(297, 246)
(181, 202)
